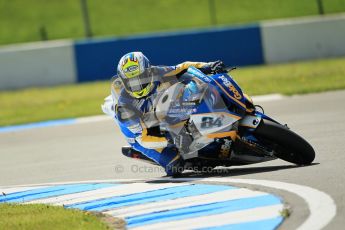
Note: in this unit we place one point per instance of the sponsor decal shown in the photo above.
(135, 128)
(204, 78)
(130, 140)
(225, 149)
(232, 88)
(199, 74)
(131, 68)
(180, 111)
(189, 103)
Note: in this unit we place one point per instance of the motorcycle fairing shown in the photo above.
(224, 83)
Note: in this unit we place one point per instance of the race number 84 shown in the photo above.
(210, 122)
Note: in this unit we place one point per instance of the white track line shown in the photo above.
(268, 97)
(159, 206)
(82, 182)
(321, 206)
(118, 190)
(254, 214)
(19, 189)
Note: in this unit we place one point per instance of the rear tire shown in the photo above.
(289, 146)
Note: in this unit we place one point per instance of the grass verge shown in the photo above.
(40, 216)
(293, 78)
(63, 18)
(32, 105)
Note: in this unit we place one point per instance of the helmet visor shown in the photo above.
(138, 83)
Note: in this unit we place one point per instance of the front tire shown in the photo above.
(288, 145)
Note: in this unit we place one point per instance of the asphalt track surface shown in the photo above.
(91, 151)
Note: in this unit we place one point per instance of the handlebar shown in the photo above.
(230, 68)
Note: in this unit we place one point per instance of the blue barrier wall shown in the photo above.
(66, 61)
(236, 46)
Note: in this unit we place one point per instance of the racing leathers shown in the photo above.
(130, 113)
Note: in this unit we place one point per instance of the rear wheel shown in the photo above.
(286, 144)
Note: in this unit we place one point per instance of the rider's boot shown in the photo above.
(175, 167)
(128, 151)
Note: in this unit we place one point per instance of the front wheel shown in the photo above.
(286, 144)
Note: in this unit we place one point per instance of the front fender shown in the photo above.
(253, 121)
(250, 121)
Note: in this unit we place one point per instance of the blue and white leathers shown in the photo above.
(137, 135)
(129, 111)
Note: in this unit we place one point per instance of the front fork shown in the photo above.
(247, 140)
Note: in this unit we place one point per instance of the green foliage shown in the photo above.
(20, 20)
(31, 105)
(37, 104)
(39, 216)
(293, 78)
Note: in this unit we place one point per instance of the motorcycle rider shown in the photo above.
(140, 82)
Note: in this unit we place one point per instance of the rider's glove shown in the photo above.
(217, 67)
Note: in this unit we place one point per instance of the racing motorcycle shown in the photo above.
(232, 131)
